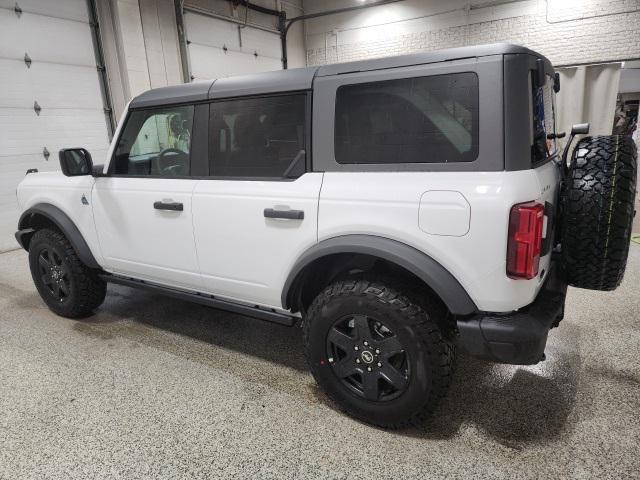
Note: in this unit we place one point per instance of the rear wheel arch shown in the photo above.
(45, 215)
(336, 256)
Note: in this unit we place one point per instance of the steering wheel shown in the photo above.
(173, 161)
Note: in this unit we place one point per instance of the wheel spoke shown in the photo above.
(395, 378)
(361, 323)
(56, 290)
(344, 368)
(64, 288)
(56, 260)
(390, 346)
(370, 386)
(341, 340)
(46, 279)
(43, 262)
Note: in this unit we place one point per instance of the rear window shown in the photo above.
(413, 120)
(543, 121)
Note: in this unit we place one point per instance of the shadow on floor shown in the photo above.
(514, 405)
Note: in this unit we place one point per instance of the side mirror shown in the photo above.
(580, 129)
(556, 82)
(75, 162)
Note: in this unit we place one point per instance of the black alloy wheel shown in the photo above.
(368, 358)
(54, 274)
(67, 286)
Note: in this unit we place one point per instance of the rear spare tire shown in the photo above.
(598, 209)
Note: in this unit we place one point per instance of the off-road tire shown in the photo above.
(86, 290)
(597, 211)
(431, 355)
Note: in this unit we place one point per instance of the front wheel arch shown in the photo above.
(45, 215)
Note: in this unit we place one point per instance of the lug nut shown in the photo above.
(356, 347)
(379, 364)
(357, 360)
(377, 351)
(369, 369)
(366, 343)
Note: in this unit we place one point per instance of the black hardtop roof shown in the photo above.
(302, 78)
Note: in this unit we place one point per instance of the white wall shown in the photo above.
(566, 31)
(140, 43)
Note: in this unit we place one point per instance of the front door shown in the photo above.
(259, 210)
(143, 208)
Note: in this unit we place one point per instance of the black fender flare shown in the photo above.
(438, 278)
(64, 224)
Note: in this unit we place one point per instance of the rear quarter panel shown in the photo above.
(387, 204)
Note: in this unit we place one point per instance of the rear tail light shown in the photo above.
(525, 240)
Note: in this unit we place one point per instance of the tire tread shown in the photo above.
(598, 208)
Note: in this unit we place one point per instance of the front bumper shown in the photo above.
(520, 337)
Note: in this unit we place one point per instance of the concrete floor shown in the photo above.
(152, 387)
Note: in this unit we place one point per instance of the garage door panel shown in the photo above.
(23, 132)
(209, 62)
(211, 31)
(51, 84)
(62, 78)
(207, 36)
(69, 9)
(265, 43)
(45, 39)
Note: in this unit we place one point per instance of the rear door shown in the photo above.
(258, 211)
(142, 209)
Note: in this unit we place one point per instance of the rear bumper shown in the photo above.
(520, 337)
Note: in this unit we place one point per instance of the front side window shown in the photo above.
(259, 137)
(413, 120)
(155, 142)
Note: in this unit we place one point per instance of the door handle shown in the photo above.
(172, 206)
(288, 214)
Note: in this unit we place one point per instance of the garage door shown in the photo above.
(50, 94)
(219, 48)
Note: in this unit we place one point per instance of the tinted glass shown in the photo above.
(543, 121)
(259, 137)
(414, 120)
(155, 142)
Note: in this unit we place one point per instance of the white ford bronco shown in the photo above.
(400, 208)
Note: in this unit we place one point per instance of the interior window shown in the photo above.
(259, 137)
(155, 142)
(413, 120)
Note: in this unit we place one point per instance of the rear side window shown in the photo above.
(542, 121)
(259, 137)
(413, 120)
(155, 142)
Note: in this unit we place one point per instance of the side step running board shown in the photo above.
(205, 299)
